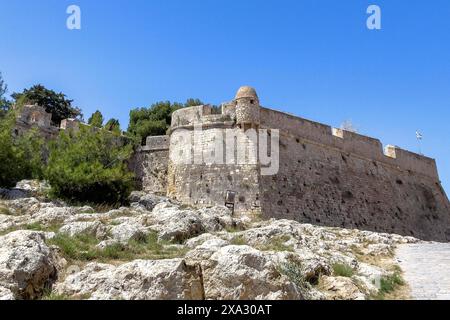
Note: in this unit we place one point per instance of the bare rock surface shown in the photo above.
(96, 229)
(137, 280)
(244, 273)
(159, 249)
(27, 265)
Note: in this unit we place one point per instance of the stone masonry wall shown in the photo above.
(200, 184)
(150, 165)
(327, 176)
(345, 180)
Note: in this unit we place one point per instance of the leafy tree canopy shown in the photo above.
(113, 125)
(96, 120)
(90, 165)
(5, 105)
(156, 120)
(55, 103)
(20, 157)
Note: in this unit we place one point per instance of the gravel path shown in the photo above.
(426, 270)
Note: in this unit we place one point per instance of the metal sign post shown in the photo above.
(230, 200)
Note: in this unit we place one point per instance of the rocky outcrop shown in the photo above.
(138, 280)
(27, 265)
(158, 249)
(95, 229)
(340, 288)
(244, 273)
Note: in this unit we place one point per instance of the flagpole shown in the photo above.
(419, 137)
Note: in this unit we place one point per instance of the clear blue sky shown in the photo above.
(313, 58)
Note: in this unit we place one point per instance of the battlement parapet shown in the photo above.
(348, 142)
(157, 143)
(204, 115)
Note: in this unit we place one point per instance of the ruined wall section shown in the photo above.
(33, 116)
(337, 178)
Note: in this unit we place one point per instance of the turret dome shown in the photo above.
(246, 92)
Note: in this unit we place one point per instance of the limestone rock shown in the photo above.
(25, 206)
(201, 239)
(33, 186)
(174, 224)
(138, 280)
(147, 201)
(340, 288)
(27, 264)
(218, 218)
(128, 231)
(241, 272)
(96, 229)
(53, 215)
(6, 294)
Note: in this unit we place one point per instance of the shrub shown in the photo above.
(390, 283)
(277, 244)
(90, 165)
(296, 273)
(342, 270)
(156, 120)
(20, 157)
(388, 286)
(96, 120)
(239, 240)
(84, 248)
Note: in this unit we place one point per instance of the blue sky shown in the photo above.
(313, 58)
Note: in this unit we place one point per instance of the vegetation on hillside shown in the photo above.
(55, 103)
(5, 105)
(90, 165)
(20, 157)
(156, 120)
(96, 119)
(113, 125)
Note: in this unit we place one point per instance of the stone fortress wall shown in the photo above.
(338, 178)
(327, 176)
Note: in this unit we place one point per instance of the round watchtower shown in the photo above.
(247, 108)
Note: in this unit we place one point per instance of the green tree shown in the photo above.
(5, 105)
(96, 120)
(55, 103)
(156, 120)
(90, 165)
(113, 125)
(20, 157)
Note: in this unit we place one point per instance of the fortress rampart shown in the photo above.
(326, 176)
